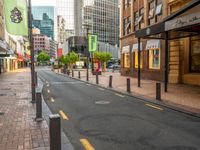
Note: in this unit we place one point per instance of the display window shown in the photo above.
(136, 59)
(126, 60)
(154, 59)
(195, 56)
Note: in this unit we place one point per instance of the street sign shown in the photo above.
(92, 41)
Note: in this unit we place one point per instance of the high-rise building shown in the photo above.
(53, 48)
(103, 16)
(45, 18)
(61, 29)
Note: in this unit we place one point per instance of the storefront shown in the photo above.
(178, 57)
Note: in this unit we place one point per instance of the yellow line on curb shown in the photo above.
(101, 89)
(155, 107)
(119, 95)
(86, 144)
(63, 115)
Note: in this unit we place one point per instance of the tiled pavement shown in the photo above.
(186, 97)
(18, 130)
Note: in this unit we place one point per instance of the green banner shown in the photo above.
(16, 17)
(92, 41)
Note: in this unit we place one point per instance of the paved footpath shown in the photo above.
(18, 130)
(186, 97)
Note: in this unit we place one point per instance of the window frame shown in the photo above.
(151, 59)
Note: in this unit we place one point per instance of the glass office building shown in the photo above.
(45, 18)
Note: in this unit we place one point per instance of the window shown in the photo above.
(158, 11)
(195, 55)
(141, 18)
(136, 22)
(127, 60)
(136, 59)
(154, 59)
(127, 25)
(151, 12)
(127, 3)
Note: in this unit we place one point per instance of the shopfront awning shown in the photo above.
(153, 44)
(135, 47)
(126, 49)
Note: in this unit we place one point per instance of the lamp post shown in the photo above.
(32, 52)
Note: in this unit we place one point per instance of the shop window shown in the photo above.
(195, 56)
(126, 60)
(154, 59)
(136, 59)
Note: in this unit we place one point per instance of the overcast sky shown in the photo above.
(44, 2)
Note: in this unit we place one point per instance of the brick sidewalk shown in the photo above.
(183, 96)
(18, 130)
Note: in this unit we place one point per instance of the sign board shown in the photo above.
(92, 41)
(80, 64)
(184, 21)
(60, 53)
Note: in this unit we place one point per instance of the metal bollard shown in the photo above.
(97, 78)
(38, 106)
(110, 81)
(128, 85)
(87, 75)
(36, 79)
(79, 74)
(72, 73)
(158, 91)
(55, 132)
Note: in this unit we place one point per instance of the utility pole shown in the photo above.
(32, 52)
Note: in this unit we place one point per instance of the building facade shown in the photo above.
(41, 43)
(45, 18)
(138, 16)
(53, 48)
(61, 29)
(103, 18)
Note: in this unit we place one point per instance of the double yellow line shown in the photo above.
(63, 115)
(86, 144)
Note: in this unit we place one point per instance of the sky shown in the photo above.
(44, 2)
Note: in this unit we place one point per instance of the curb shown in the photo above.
(159, 103)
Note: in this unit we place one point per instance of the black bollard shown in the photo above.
(110, 81)
(79, 74)
(97, 78)
(55, 132)
(36, 79)
(38, 106)
(128, 85)
(87, 75)
(72, 73)
(158, 91)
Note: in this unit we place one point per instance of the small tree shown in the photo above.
(43, 58)
(103, 57)
(73, 58)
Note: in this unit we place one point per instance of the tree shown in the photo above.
(103, 57)
(69, 59)
(43, 58)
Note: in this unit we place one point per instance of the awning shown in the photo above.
(135, 47)
(153, 44)
(3, 47)
(126, 49)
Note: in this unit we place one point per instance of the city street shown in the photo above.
(100, 119)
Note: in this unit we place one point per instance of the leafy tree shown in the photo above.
(43, 58)
(103, 57)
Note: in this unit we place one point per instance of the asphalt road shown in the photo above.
(110, 121)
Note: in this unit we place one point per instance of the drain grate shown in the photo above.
(8, 94)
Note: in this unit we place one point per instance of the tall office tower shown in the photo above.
(103, 18)
(61, 29)
(65, 8)
(45, 18)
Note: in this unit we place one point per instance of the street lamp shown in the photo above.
(87, 27)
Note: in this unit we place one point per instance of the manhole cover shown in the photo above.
(102, 102)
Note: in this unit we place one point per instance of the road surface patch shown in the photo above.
(101, 89)
(119, 95)
(86, 144)
(102, 102)
(155, 107)
(63, 115)
(88, 84)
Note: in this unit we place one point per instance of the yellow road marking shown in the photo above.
(86, 144)
(155, 107)
(52, 100)
(63, 115)
(48, 91)
(119, 95)
(101, 89)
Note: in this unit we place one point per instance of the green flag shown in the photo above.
(92, 43)
(16, 17)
